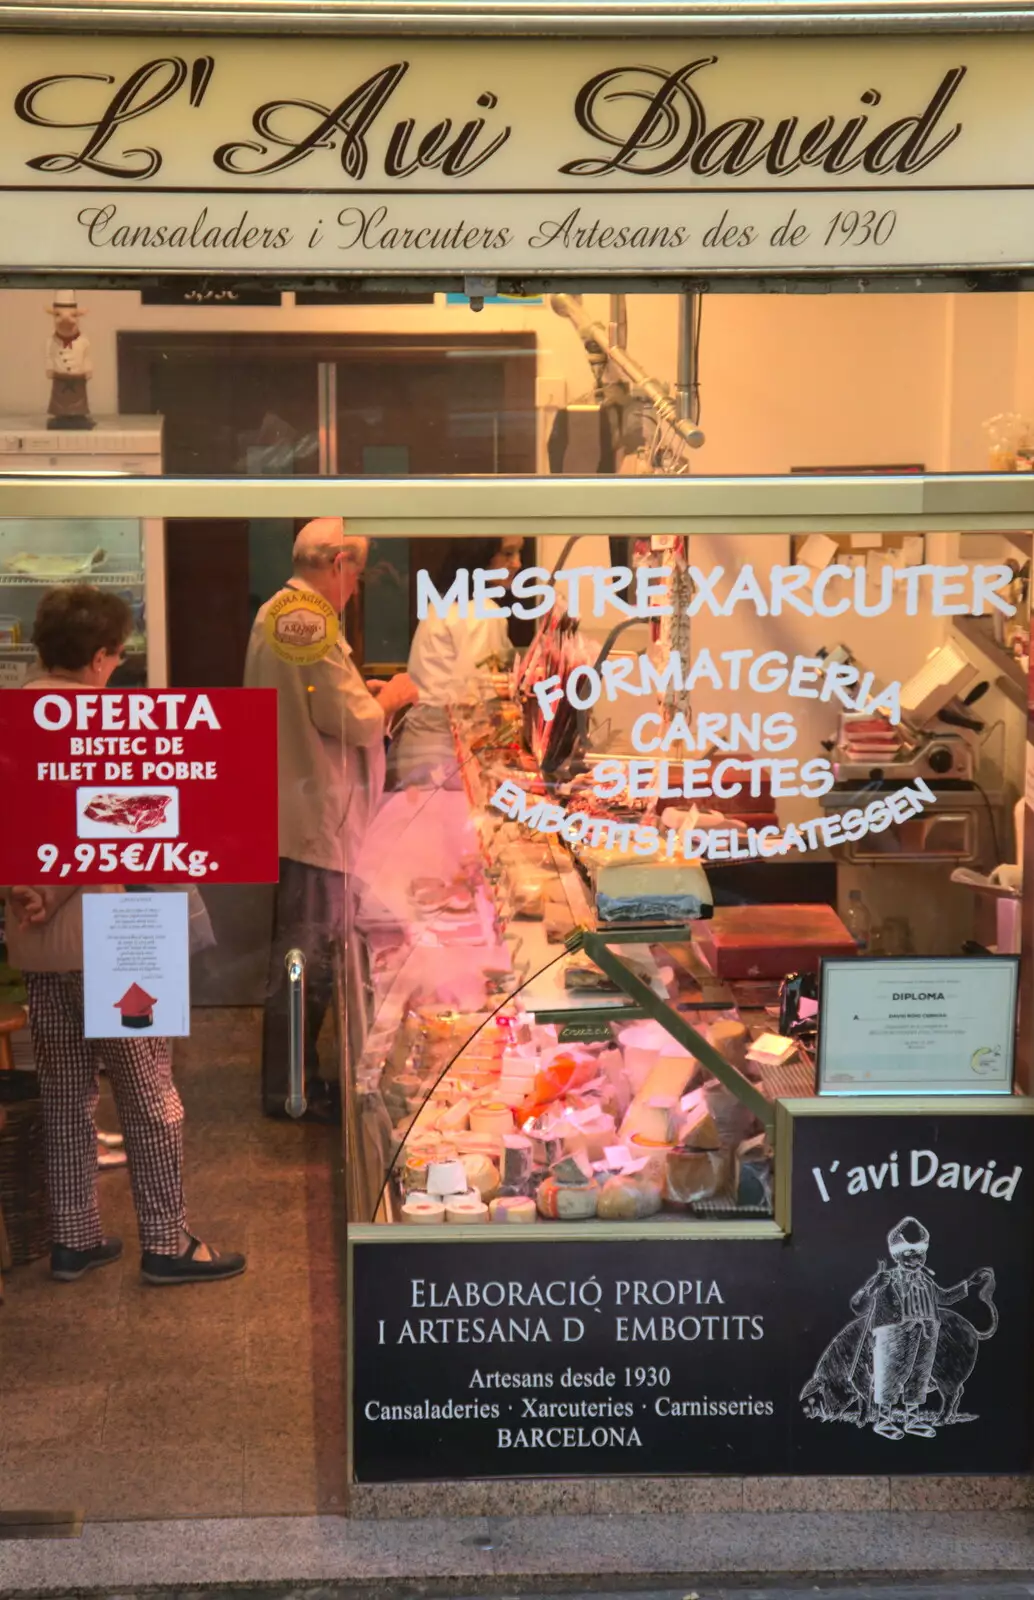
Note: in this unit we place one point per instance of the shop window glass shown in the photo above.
(598, 385)
(824, 760)
(590, 897)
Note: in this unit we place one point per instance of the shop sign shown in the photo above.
(513, 156)
(124, 786)
(890, 1333)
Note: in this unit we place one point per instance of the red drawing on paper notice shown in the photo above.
(137, 1007)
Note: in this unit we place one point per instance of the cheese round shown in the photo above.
(466, 1208)
(567, 1202)
(423, 1210)
(513, 1208)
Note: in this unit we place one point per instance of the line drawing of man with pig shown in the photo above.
(904, 1343)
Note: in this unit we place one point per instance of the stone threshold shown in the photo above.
(537, 1497)
(402, 1555)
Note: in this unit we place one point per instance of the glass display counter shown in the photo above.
(601, 1221)
(528, 1061)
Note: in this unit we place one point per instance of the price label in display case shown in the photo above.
(159, 786)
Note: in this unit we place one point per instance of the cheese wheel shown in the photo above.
(513, 1208)
(628, 1198)
(656, 1119)
(573, 1168)
(656, 1150)
(446, 1178)
(482, 1175)
(695, 1175)
(466, 1208)
(423, 1210)
(567, 1202)
(415, 1174)
(517, 1159)
(493, 1116)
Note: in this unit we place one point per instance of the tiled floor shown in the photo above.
(223, 1399)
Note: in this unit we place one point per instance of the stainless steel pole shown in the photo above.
(687, 376)
(296, 1102)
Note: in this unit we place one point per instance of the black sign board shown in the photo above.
(915, 1366)
(890, 1333)
(205, 292)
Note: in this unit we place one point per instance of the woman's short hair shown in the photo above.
(73, 623)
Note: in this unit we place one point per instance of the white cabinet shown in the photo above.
(126, 554)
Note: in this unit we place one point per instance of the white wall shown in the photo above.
(24, 329)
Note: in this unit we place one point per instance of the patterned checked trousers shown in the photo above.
(149, 1109)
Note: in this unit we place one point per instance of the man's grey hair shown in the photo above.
(321, 540)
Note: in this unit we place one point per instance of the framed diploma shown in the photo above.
(917, 1026)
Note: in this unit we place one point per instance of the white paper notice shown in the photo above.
(136, 966)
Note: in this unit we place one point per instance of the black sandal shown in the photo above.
(186, 1268)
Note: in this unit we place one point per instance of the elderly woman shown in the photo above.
(80, 634)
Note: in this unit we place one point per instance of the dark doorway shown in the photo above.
(254, 405)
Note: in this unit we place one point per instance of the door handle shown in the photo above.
(326, 401)
(295, 1103)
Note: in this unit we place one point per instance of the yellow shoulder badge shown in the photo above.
(301, 626)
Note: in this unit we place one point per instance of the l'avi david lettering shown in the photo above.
(283, 133)
(917, 1169)
(927, 1167)
(673, 131)
(368, 126)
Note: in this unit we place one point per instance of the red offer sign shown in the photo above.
(138, 785)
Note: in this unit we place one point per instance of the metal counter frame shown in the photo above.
(539, 506)
(521, 18)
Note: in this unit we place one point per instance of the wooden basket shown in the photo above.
(23, 1184)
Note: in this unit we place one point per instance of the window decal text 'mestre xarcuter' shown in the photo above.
(754, 742)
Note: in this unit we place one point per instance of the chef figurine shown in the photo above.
(68, 365)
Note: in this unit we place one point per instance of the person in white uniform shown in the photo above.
(449, 660)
